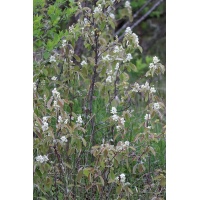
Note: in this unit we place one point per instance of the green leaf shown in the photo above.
(84, 142)
(130, 191)
(77, 58)
(118, 189)
(102, 181)
(79, 176)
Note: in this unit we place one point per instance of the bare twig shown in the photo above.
(134, 16)
(143, 17)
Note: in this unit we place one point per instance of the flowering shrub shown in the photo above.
(85, 108)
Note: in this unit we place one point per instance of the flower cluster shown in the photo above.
(128, 57)
(127, 4)
(118, 49)
(143, 88)
(128, 31)
(113, 110)
(153, 65)
(41, 159)
(133, 36)
(45, 125)
(152, 90)
(54, 78)
(79, 120)
(156, 106)
(52, 59)
(121, 178)
(98, 9)
(64, 43)
(122, 146)
(136, 87)
(155, 60)
(63, 139)
(71, 28)
(116, 118)
(60, 120)
(56, 96)
(83, 63)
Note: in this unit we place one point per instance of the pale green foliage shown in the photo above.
(89, 152)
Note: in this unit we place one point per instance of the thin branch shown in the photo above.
(134, 16)
(143, 17)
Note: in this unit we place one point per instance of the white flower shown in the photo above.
(71, 28)
(45, 158)
(145, 86)
(151, 65)
(79, 4)
(118, 128)
(55, 104)
(136, 39)
(147, 117)
(60, 119)
(113, 110)
(52, 59)
(149, 127)
(86, 22)
(136, 87)
(117, 66)
(127, 143)
(64, 43)
(54, 78)
(71, 51)
(122, 121)
(118, 49)
(66, 121)
(109, 72)
(152, 90)
(121, 178)
(127, 4)
(98, 9)
(45, 126)
(128, 57)
(156, 106)
(41, 159)
(115, 117)
(34, 86)
(79, 120)
(112, 16)
(44, 119)
(55, 93)
(109, 79)
(155, 60)
(63, 139)
(128, 31)
(83, 63)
